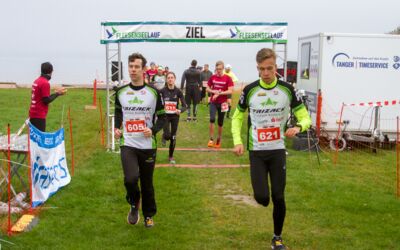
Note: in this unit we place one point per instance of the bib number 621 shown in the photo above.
(268, 134)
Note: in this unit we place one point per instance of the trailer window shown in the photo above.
(305, 61)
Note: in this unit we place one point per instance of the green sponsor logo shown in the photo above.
(114, 33)
(269, 102)
(238, 34)
(135, 101)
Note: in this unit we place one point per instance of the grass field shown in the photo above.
(348, 206)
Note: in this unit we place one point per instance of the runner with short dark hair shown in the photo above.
(137, 105)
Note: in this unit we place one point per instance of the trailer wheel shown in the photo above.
(341, 144)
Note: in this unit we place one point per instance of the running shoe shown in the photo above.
(218, 144)
(148, 222)
(194, 119)
(188, 119)
(133, 215)
(171, 160)
(210, 144)
(277, 244)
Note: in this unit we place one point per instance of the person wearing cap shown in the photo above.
(228, 71)
(159, 79)
(41, 97)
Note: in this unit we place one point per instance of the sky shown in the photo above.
(67, 33)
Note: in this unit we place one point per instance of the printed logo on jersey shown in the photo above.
(299, 95)
(276, 119)
(241, 99)
(150, 160)
(267, 111)
(269, 102)
(136, 100)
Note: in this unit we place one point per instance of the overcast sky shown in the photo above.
(67, 33)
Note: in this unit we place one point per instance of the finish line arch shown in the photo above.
(116, 33)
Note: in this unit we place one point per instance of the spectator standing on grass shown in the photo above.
(41, 97)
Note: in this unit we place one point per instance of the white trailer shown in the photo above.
(358, 69)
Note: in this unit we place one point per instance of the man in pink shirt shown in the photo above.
(41, 97)
(219, 86)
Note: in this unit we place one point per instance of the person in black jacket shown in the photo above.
(193, 88)
(172, 96)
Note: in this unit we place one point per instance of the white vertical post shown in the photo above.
(112, 137)
(108, 95)
(285, 63)
(119, 65)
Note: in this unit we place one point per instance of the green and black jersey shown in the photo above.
(269, 107)
(136, 108)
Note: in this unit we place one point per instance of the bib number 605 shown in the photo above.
(135, 126)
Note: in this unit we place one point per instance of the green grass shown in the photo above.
(348, 206)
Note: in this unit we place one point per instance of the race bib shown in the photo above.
(224, 107)
(170, 107)
(135, 126)
(268, 134)
(205, 84)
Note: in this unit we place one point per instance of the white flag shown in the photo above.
(48, 162)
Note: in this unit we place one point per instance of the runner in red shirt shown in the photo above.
(151, 72)
(41, 97)
(219, 86)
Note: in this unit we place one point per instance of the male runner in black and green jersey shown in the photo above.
(268, 102)
(136, 107)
